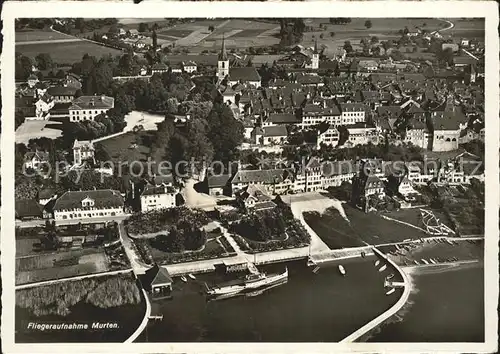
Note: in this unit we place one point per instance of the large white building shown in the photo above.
(352, 113)
(157, 197)
(88, 107)
(88, 204)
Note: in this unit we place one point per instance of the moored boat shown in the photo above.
(341, 269)
(377, 262)
(251, 282)
(183, 278)
(390, 291)
(384, 267)
(390, 276)
(191, 276)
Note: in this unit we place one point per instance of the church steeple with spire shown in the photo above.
(315, 57)
(223, 62)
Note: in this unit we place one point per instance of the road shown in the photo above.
(50, 41)
(450, 26)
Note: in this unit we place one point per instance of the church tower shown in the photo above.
(223, 63)
(315, 57)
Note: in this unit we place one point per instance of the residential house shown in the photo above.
(88, 204)
(337, 172)
(400, 185)
(82, 151)
(254, 198)
(189, 67)
(329, 136)
(274, 181)
(217, 184)
(270, 135)
(361, 133)
(155, 197)
(62, 94)
(159, 68)
(43, 105)
(88, 107)
(352, 113)
(36, 159)
(32, 80)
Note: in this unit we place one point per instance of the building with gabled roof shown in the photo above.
(155, 197)
(157, 281)
(88, 107)
(88, 204)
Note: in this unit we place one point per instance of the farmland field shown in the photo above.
(44, 267)
(67, 53)
(40, 35)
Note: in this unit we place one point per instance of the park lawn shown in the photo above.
(67, 53)
(41, 267)
(39, 35)
(121, 148)
(211, 250)
(362, 227)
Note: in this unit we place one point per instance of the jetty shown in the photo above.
(390, 312)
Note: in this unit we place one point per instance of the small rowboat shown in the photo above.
(341, 269)
(390, 291)
(191, 276)
(183, 278)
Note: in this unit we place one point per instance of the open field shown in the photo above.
(412, 216)
(45, 267)
(470, 28)
(39, 35)
(128, 147)
(36, 129)
(147, 120)
(362, 228)
(67, 53)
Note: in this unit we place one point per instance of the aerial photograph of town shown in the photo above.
(249, 180)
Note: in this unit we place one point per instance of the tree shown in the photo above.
(321, 36)
(374, 40)
(211, 28)
(60, 74)
(154, 36)
(23, 67)
(348, 46)
(368, 24)
(143, 27)
(224, 132)
(19, 119)
(332, 34)
(44, 61)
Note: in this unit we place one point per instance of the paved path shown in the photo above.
(145, 320)
(135, 259)
(48, 282)
(390, 312)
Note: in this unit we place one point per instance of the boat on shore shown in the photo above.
(342, 269)
(416, 262)
(191, 276)
(250, 283)
(424, 261)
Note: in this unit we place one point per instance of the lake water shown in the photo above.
(447, 306)
(310, 307)
(323, 307)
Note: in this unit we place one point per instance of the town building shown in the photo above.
(36, 159)
(189, 67)
(352, 113)
(62, 94)
(273, 135)
(361, 134)
(157, 197)
(329, 136)
(88, 204)
(88, 107)
(82, 151)
(254, 198)
(28, 209)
